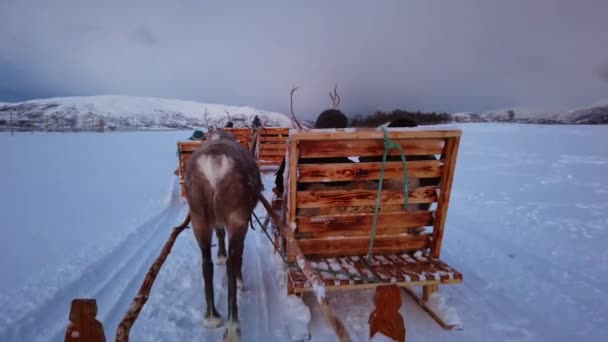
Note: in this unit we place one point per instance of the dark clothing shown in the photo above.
(256, 122)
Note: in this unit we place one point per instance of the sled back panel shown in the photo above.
(243, 135)
(330, 200)
(271, 145)
(185, 150)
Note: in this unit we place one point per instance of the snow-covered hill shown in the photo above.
(112, 112)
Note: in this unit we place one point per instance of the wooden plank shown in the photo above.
(274, 131)
(374, 133)
(273, 159)
(273, 139)
(405, 273)
(365, 148)
(360, 245)
(308, 173)
(361, 224)
(268, 163)
(188, 146)
(289, 184)
(273, 147)
(447, 178)
(272, 153)
(361, 197)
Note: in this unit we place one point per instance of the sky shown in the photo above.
(429, 55)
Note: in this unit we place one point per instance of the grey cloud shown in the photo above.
(417, 54)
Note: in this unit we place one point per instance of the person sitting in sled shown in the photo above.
(256, 123)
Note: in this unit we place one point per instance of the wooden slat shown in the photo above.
(364, 148)
(389, 268)
(450, 155)
(274, 139)
(359, 197)
(272, 147)
(290, 189)
(361, 224)
(188, 146)
(274, 131)
(360, 245)
(272, 159)
(366, 171)
(374, 133)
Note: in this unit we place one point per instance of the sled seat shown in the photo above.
(243, 135)
(271, 146)
(184, 152)
(331, 185)
(401, 269)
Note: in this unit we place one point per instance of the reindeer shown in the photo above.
(223, 186)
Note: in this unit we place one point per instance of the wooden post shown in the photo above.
(386, 318)
(83, 324)
(428, 290)
(447, 177)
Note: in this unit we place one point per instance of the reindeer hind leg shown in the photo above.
(235, 263)
(203, 234)
(221, 245)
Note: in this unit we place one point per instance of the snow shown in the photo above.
(448, 314)
(85, 214)
(380, 337)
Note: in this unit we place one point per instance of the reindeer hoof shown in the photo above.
(221, 259)
(233, 332)
(212, 321)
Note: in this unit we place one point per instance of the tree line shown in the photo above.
(380, 117)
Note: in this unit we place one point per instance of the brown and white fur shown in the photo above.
(223, 185)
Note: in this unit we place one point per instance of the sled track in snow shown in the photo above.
(105, 280)
(176, 305)
(174, 311)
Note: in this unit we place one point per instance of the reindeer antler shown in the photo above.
(206, 121)
(227, 114)
(335, 98)
(294, 118)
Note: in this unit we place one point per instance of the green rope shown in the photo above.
(388, 146)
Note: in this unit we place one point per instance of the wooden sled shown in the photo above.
(243, 135)
(271, 147)
(184, 152)
(332, 225)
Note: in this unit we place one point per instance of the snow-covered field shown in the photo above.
(84, 215)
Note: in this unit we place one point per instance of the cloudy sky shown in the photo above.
(456, 55)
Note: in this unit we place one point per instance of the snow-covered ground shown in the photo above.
(84, 215)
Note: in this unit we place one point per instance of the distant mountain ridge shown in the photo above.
(116, 112)
(120, 113)
(591, 115)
